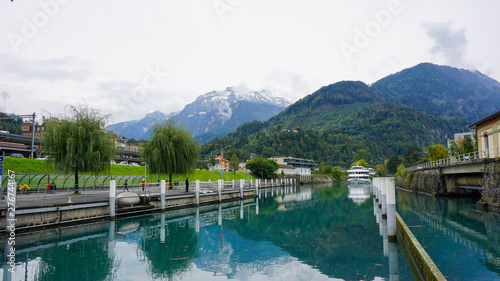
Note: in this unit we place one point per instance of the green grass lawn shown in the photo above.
(37, 172)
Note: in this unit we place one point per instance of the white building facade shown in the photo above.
(298, 167)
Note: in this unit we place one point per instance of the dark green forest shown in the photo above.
(13, 126)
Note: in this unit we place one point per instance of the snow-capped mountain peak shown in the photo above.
(214, 113)
(238, 93)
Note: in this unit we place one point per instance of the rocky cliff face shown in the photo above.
(219, 112)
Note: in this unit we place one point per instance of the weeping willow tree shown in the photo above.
(78, 142)
(170, 150)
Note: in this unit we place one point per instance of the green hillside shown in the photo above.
(419, 106)
(443, 91)
(328, 107)
(334, 122)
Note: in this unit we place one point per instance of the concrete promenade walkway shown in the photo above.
(61, 197)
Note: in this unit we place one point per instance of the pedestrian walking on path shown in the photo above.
(187, 184)
(125, 186)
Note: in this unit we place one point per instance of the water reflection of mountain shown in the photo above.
(457, 228)
(225, 252)
(322, 232)
(334, 235)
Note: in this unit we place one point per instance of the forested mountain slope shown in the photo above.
(334, 122)
(443, 91)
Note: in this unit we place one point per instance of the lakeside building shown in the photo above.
(304, 174)
(27, 129)
(222, 164)
(121, 143)
(461, 136)
(295, 167)
(295, 162)
(488, 137)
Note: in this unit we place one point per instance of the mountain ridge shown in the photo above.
(213, 114)
(139, 129)
(341, 118)
(442, 90)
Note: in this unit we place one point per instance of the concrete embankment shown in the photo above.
(393, 227)
(64, 214)
(321, 179)
(422, 265)
(30, 241)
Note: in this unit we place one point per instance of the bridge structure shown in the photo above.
(463, 171)
(13, 143)
(471, 172)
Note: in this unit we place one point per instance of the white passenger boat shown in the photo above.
(359, 174)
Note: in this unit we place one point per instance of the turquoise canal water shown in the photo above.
(463, 241)
(321, 232)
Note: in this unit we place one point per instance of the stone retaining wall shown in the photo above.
(490, 196)
(425, 180)
(431, 181)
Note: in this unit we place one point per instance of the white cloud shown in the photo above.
(65, 68)
(5, 96)
(99, 51)
(449, 44)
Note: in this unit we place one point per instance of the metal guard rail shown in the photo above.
(462, 158)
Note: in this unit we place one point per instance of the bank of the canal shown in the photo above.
(463, 241)
(26, 212)
(308, 232)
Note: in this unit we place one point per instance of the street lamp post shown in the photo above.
(33, 136)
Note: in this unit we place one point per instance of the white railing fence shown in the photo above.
(462, 158)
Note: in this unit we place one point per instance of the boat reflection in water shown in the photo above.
(359, 192)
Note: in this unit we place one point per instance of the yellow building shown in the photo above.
(222, 164)
(121, 143)
(488, 136)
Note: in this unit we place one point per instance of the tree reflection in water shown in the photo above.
(85, 260)
(318, 227)
(172, 259)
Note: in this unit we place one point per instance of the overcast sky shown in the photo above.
(128, 58)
